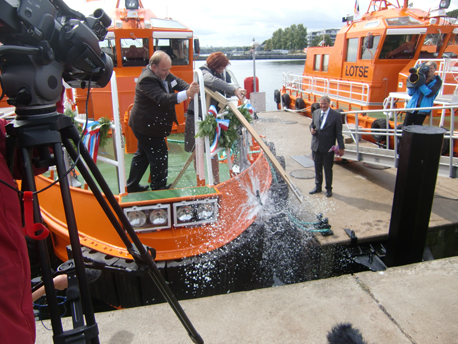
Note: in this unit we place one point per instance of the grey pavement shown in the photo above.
(410, 304)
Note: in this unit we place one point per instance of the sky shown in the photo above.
(238, 22)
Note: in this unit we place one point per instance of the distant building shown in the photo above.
(330, 32)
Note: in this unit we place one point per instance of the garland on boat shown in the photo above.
(224, 130)
(103, 124)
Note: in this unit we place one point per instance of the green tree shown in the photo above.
(317, 40)
(277, 37)
(300, 37)
(268, 45)
(453, 13)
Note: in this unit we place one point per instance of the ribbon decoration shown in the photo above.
(220, 124)
(250, 108)
(212, 110)
(91, 139)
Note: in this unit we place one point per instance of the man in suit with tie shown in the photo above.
(326, 128)
(152, 117)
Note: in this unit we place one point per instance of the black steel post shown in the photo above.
(413, 195)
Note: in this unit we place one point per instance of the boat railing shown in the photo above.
(204, 155)
(340, 90)
(392, 133)
(118, 139)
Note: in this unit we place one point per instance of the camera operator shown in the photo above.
(17, 322)
(423, 96)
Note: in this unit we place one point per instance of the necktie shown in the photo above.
(321, 118)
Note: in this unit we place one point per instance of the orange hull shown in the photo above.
(237, 210)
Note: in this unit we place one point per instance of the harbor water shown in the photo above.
(268, 72)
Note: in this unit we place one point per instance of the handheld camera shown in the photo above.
(417, 75)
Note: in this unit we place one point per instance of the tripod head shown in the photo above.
(43, 42)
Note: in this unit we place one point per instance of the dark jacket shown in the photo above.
(325, 138)
(153, 112)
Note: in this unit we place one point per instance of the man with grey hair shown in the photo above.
(326, 128)
(151, 120)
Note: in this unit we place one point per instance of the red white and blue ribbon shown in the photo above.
(249, 108)
(91, 139)
(220, 124)
(212, 110)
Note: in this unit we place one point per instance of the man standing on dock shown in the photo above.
(326, 128)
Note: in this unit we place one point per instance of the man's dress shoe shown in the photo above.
(137, 188)
(314, 191)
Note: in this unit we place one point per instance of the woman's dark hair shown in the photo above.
(217, 60)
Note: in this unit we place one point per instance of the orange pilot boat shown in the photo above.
(197, 222)
(368, 66)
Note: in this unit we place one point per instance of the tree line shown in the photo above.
(291, 38)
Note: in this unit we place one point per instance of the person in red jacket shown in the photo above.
(17, 322)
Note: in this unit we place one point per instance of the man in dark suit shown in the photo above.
(152, 118)
(326, 128)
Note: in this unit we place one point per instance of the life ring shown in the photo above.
(286, 100)
(379, 124)
(277, 96)
(300, 104)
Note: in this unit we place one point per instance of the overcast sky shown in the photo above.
(237, 22)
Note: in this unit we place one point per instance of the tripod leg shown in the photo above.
(74, 240)
(28, 184)
(140, 254)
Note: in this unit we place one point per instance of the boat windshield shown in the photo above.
(135, 51)
(177, 48)
(399, 46)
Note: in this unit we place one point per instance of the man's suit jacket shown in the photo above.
(153, 112)
(325, 138)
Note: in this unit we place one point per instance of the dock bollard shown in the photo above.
(413, 195)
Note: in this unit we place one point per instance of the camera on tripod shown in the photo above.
(44, 42)
(417, 75)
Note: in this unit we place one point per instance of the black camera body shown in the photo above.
(45, 42)
(417, 75)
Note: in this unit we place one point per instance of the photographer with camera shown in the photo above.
(423, 85)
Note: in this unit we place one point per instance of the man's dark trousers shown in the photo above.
(326, 161)
(151, 151)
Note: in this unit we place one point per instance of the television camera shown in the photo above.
(417, 75)
(44, 42)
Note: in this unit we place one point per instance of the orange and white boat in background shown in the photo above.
(368, 66)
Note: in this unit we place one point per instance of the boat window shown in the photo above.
(134, 52)
(431, 45)
(178, 49)
(352, 49)
(368, 54)
(108, 46)
(325, 62)
(317, 63)
(372, 24)
(402, 21)
(399, 46)
(166, 23)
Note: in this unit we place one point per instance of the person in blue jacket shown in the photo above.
(423, 96)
